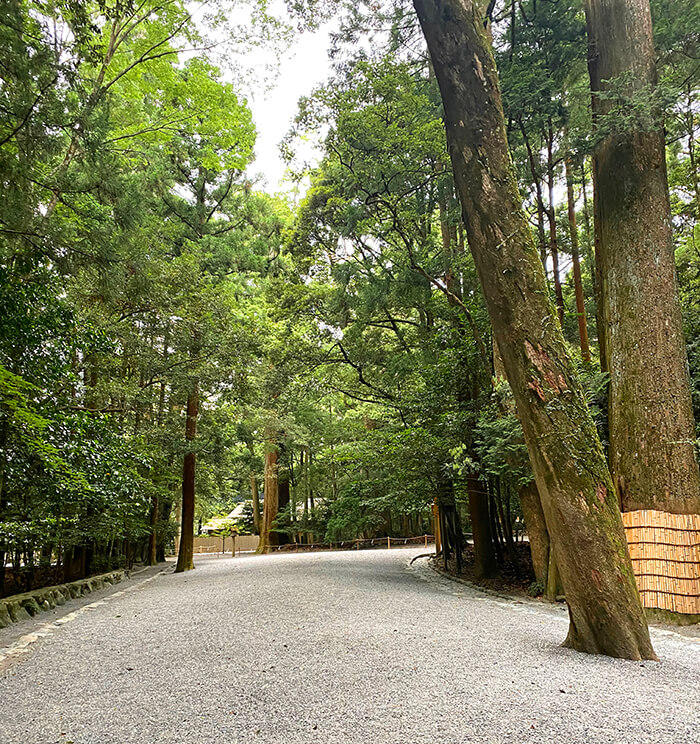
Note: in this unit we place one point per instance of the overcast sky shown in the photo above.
(303, 68)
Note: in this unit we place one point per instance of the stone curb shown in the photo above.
(20, 607)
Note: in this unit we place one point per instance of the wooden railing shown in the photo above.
(368, 544)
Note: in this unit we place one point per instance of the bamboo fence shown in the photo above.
(665, 552)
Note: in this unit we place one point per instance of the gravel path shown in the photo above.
(336, 647)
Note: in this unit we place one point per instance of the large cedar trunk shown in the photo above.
(577, 494)
(270, 496)
(185, 561)
(652, 457)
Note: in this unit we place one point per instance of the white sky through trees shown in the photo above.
(302, 68)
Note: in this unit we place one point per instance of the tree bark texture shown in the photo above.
(578, 497)
(270, 495)
(185, 561)
(652, 456)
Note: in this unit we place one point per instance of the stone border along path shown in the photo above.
(336, 648)
(19, 607)
(22, 645)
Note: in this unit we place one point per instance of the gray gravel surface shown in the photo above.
(336, 647)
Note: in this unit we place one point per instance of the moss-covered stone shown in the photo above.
(31, 606)
(17, 612)
(21, 607)
(5, 618)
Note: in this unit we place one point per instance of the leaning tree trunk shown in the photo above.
(652, 457)
(573, 480)
(185, 561)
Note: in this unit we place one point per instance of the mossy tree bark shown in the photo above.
(578, 497)
(652, 457)
(185, 559)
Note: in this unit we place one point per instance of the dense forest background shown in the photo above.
(170, 330)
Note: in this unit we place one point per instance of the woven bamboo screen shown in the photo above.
(665, 551)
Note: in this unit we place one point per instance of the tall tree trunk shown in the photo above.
(578, 283)
(652, 457)
(270, 493)
(185, 561)
(578, 497)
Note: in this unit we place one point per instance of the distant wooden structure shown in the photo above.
(214, 544)
(665, 552)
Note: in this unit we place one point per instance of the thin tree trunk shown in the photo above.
(578, 283)
(542, 243)
(185, 560)
(578, 497)
(506, 531)
(153, 536)
(552, 219)
(652, 430)
(495, 527)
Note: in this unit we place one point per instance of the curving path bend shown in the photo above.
(330, 648)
